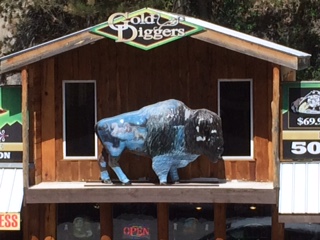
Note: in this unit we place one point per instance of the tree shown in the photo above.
(39, 21)
(294, 23)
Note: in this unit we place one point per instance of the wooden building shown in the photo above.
(71, 82)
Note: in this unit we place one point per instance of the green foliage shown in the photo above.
(232, 14)
(44, 20)
(293, 23)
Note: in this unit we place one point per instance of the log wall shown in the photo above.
(128, 79)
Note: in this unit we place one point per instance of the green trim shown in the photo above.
(10, 120)
(10, 101)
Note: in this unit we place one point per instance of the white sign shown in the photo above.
(10, 221)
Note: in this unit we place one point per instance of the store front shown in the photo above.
(11, 174)
(72, 82)
(186, 221)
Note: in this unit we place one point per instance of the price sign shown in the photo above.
(300, 150)
(301, 120)
(308, 121)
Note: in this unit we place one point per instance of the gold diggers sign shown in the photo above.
(146, 28)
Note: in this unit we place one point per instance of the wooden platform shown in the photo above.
(80, 192)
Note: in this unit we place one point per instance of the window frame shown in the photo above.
(250, 80)
(65, 157)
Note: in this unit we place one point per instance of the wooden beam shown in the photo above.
(84, 37)
(288, 74)
(220, 225)
(163, 221)
(299, 218)
(26, 221)
(59, 192)
(46, 50)
(48, 121)
(275, 128)
(50, 221)
(106, 221)
(277, 227)
(31, 225)
(25, 127)
(254, 50)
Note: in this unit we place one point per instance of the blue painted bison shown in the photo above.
(169, 132)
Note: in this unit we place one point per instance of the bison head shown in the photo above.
(203, 134)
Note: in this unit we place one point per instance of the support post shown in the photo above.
(48, 125)
(275, 109)
(220, 221)
(50, 221)
(106, 221)
(277, 228)
(25, 128)
(163, 221)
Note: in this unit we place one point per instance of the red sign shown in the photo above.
(9, 221)
(136, 232)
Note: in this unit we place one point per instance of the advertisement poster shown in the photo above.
(10, 124)
(301, 120)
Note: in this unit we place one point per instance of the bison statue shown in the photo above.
(169, 132)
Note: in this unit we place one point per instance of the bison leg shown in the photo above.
(174, 174)
(161, 166)
(104, 175)
(180, 162)
(114, 164)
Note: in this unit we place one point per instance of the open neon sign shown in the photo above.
(136, 232)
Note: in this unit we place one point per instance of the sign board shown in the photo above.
(145, 29)
(10, 124)
(301, 120)
(136, 231)
(10, 221)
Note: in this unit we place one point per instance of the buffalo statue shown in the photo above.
(169, 132)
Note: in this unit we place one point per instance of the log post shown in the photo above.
(275, 105)
(220, 221)
(50, 221)
(25, 128)
(277, 228)
(163, 221)
(106, 221)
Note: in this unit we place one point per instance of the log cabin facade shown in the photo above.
(199, 70)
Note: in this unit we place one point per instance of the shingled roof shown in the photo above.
(213, 34)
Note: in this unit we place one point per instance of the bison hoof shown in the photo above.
(126, 184)
(107, 181)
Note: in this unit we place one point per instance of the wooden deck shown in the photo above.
(80, 192)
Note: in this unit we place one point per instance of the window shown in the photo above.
(235, 110)
(79, 221)
(249, 221)
(190, 221)
(79, 118)
(136, 221)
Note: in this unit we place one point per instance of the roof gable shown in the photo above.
(213, 34)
